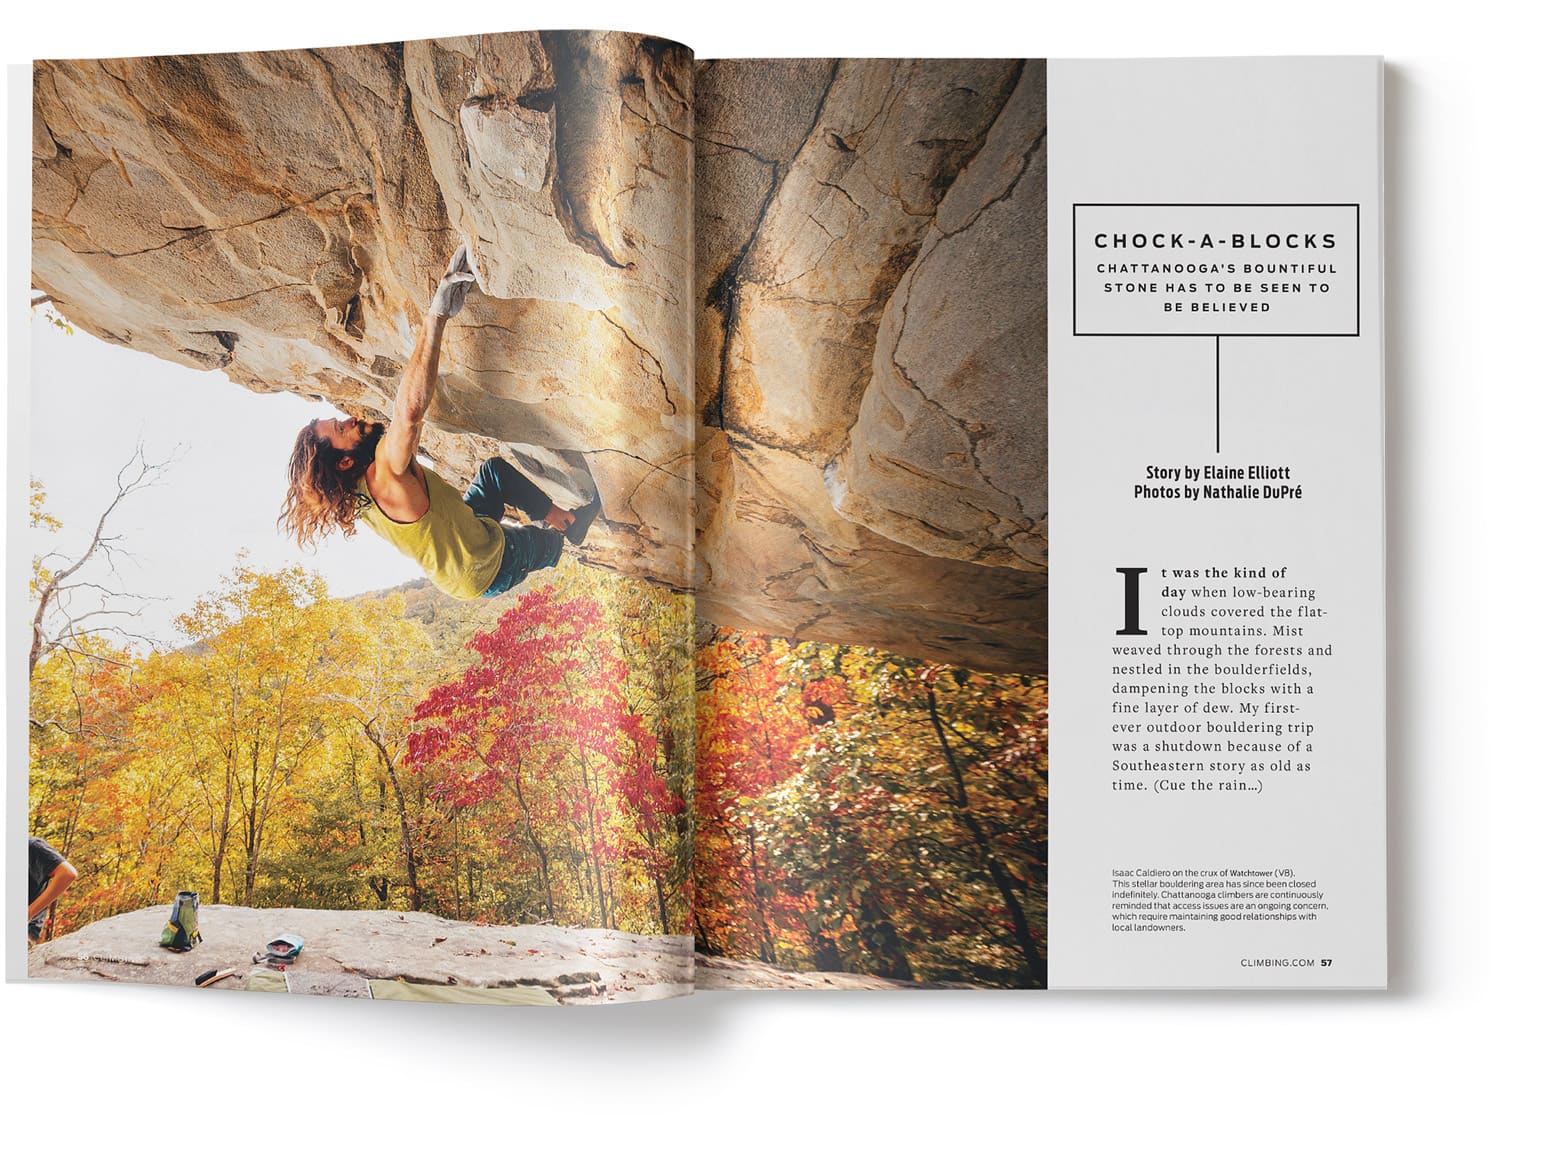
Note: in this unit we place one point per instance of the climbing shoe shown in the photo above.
(577, 533)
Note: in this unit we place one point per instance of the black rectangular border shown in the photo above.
(1356, 206)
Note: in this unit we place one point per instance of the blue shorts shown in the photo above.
(528, 547)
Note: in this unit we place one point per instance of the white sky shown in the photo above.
(91, 403)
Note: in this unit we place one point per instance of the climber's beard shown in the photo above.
(371, 435)
(366, 451)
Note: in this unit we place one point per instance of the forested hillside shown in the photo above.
(520, 760)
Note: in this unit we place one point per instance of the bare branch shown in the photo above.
(77, 652)
(137, 474)
(88, 585)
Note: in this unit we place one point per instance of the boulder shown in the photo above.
(283, 217)
(726, 973)
(345, 949)
(575, 966)
(871, 353)
(855, 284)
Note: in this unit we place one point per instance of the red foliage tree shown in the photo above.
(538, 732)
(747, 738)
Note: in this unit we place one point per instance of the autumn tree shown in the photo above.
(245, 708)
(747, 737)
(900, 818)
(287, 754)
(944, 770)
(83, 780)
(79, 697)
(655, 636)
(374, 680)
(540, 729)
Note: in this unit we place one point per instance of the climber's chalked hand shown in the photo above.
(453, 288)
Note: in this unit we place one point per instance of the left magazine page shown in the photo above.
(360, 519)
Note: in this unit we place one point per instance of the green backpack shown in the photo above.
(181, 932)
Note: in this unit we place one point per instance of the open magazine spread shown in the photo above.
(539, 519)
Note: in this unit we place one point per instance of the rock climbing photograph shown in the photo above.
(871, 540)
(534, 519)
(362, 493)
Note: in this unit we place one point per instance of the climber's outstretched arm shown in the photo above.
(417, 390)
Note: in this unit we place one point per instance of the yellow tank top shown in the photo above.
(459, 550)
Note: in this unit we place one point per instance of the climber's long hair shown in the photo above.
(321, 496)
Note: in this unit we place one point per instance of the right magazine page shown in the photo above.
(945, 307)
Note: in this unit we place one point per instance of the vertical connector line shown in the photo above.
(1218, 393)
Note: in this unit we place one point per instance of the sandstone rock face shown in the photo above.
(344, 950)
(723, 973)
(871, 378)
(284, 217)
(575, 966)
(848, 257)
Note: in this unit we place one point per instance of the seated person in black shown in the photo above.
(48, 875)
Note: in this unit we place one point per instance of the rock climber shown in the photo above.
(344, 471)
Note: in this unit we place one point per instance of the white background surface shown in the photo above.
(1450, 1060)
